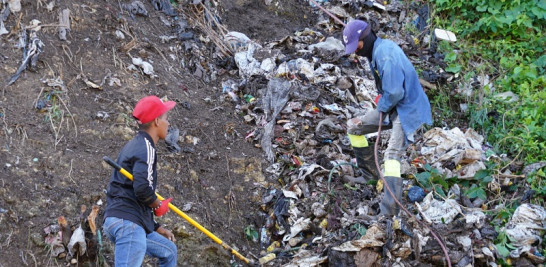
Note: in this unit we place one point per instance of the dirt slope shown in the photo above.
(51, 158)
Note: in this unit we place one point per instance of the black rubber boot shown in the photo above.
(388, 206)
(366, 161)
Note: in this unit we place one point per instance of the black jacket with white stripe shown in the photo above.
(130, 200)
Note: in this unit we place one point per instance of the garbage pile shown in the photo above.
(77, 243)
(298, 93)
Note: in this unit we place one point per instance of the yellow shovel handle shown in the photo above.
(182, 214)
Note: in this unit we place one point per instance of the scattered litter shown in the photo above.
(374, 237)
(524, 229)
(33, 47)
(147, 68)
(329, 44)
(77, 245)
(136, 8)
(436, 211)
(64, 22)
(416, 194)
(14, 5)
(172, 140)
(445, 35)
(164, 6)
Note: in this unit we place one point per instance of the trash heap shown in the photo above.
(298, 93)
(78, 243)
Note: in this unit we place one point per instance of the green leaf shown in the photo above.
(481, 174)
(502, 250)
(251, 233)
(450, 57)
(481, 194)
(455, 68)
(424, 179)
(439, 190)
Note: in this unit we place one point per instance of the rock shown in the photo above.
(180, 231)
(37, 239)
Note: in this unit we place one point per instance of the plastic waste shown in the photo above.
(374, 237)
(64, 22)
(247, 64)
(329, 44)
(14, 5)
(298, 66)
(147, 68)
(172, 140)
(32, 49)
(300, 225)
(54, 240)
(267, 258)
(436, 211)
(77, 244)
(164, 6)
(136, 8)
(445, 35)
(237, 41)
(416, 194)
(276, 96)
(3, 29)
(305, 258)
(524, 228)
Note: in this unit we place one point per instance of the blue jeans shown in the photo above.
(132, 243)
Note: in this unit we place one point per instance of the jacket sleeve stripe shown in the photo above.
(150, 160)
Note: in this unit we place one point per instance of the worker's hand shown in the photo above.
(163, 207)
(377, 99)
(166, 233)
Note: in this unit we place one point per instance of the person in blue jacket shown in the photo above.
(131, 205)
(401, 99)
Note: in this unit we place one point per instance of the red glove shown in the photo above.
(163, 207)
(377, 99)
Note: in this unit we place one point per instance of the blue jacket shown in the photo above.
(129, 200)
(399, 86)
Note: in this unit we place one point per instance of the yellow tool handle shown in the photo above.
(181, 214)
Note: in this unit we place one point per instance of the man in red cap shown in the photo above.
(401, 99)
(131, 205)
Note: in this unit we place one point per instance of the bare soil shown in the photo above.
(51, 159)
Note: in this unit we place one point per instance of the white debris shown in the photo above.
(247, 64)
(3, 29)
(268, 65)
(300, 225)
(147, 68)
(329, 44)
(475, 217)
(445, 35)
(509, 97)
(465, 241)
(437, 211)
(524, 228)
(237, 41)
(120, 35)
(305, 258)
(77, 241)
(299, 65)
(464, 149)
(374, 237)
(14, 5)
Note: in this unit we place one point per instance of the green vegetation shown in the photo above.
(505, 41)
(501, 42)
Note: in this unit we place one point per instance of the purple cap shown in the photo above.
(351, 34)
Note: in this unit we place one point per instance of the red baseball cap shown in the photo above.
(151, 107)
